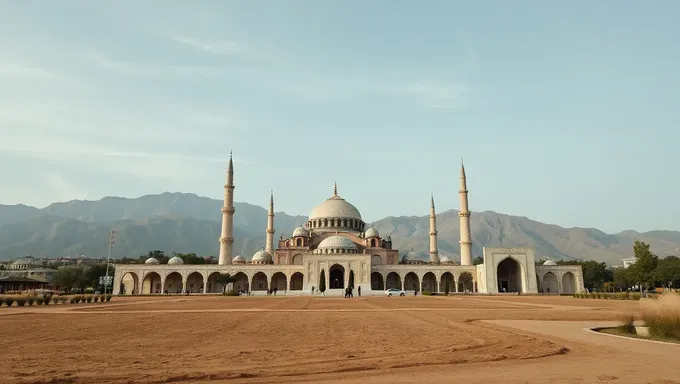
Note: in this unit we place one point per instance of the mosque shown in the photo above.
(337, 245)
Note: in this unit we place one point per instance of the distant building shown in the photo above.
(30, 268)
(628, 262)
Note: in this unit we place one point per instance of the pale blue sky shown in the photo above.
(565, 112)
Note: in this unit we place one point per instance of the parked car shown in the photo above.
(394, 292)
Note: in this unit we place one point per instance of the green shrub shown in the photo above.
(635, 296)
(108, 297)
(39, 300)
(21, 301)
(73, 300)
(47, 299)
(9, 301)
(96, 298)
(230, 293)
(88, 298)
(662, 316)
(63, 299)
(78, 298)
(30, 300)
(427, 294)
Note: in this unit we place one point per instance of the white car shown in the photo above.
(394, 292)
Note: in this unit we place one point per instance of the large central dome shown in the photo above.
(335, 213)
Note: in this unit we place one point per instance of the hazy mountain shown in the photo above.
(183, 222)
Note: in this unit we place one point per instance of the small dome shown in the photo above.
(371, 232)
(151, 260)
(411, 257)
(300, 231)
(549, 262)
(261, 257)
(445, 260)
(175, 261)
(337, 242)
(238, 259)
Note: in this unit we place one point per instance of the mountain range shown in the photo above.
(187, 223)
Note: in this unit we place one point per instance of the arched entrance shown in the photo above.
(411, 282)
(509, 276)
(393, 281)
(337, 277)
(447, 278)
(241, 282)
(279, 281)
(377, 283)
(129, 284)
(212, 286)
(259, 282)
(296, 281)
(549, 283)
(173, 283)
(429, 282)
(151, 283)
(568, 283)
(195, 283)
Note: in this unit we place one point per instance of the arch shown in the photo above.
(173, 283)
(393, 281)
(337, 276)
(194, 283)
(279, 281)
(377, 282)
(299, 242)
(212, 286)
(374, 243)
(392, 260)
(296, 281)
(429, 283)
(129, 284)
(241, 283)
(447, 277)
(466, 282)
(549, 283)
(259, 282)
(297, 259)
(568, 283)
(411, 282)
(509, 276)
(152, 283)
(376, 260)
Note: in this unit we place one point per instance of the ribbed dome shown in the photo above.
(152, 260)
(261, 257)
(175, 261)
(411, 257)
(337, 242)
(335, 207)
(445, 260)
(549, 262)
(371, 232)
(238, 259)
(300, 231)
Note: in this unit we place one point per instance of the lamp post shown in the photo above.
(112, 242)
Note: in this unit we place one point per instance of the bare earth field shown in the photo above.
(476, 339)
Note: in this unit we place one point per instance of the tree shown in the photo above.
(465, 279)
(447, 288)
(621, 279)
(322, 283)
(67, 278)
(642, 271)
(478, 260)
(351, 279)
(595, 274)
(667, 271)
(190, 258)
(224, 279)
(93, 273)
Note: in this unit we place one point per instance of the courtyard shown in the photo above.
(215, 339)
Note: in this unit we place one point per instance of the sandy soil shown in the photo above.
(302, 339)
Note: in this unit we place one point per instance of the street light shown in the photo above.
(112, 242)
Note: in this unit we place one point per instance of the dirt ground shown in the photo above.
(180, 339)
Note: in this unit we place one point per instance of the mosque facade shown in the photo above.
(336, 245)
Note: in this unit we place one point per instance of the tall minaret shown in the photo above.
(465, 238)
(269, 245)
(227, 237)
(434, 252)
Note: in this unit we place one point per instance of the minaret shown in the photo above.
(434, 252)
(465, 238)
(269, 245)
(227, 237)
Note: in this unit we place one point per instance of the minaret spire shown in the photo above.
(227, 235)
(335, 188)
(434, 251)
(465, 237)
(269, 247)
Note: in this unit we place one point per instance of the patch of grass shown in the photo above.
(617, 332)
(662, 316)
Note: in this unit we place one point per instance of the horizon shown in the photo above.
(565, 113)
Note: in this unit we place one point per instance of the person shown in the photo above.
(359, 291)
(275, 290)
(312, 290)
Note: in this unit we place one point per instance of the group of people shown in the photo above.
(349, 294)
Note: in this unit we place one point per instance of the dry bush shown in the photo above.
(662, 316)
